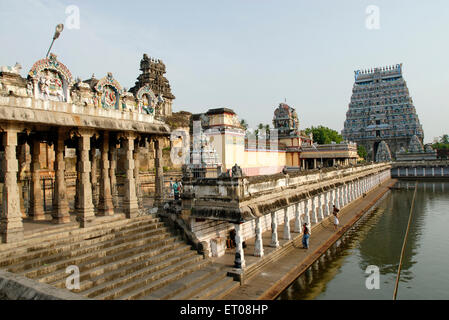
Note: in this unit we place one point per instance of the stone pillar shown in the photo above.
(346, 194)
(287, 235)
(36, 196)
(60, 203)
(105, 203)
(298, 217)
(85, 212)
(307, 209)
(137, 176)
(11, 226)
(77, 182)
(130, 204)
(331, 201)
(350, 192)
(274, 231)
(158, 164)
(93, 175)
(112, 176)
(314, 164)
(337, 197)
(320, 212)
(315, 207)
(258, 244)
(239, 254)
(326, 198)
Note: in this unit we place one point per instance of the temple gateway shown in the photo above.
(381, 110)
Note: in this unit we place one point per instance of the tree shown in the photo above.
(324, 135)
(244, 124)
(442, 143)
(362, 152)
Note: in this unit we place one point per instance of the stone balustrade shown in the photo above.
(213, 207)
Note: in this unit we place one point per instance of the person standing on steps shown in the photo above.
(336, 221)
(306, 236)
(176, 190)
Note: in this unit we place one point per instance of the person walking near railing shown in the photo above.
(336, 221)
(306, 236)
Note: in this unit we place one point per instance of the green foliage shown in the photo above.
(324, 135)
(442, 144)
(244, 124)
(362, 152)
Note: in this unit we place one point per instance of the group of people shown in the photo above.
(175, 189)
(307, 232)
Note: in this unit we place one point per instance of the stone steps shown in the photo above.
(39, 242)
(199, 286)
(109, 272)
(101, 262)
(179, 290)
(119, 259)
(216, 290)
(77, 244)
(122, 250)
(143, 282)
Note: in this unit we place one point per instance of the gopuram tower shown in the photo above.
(381, 109)
(153, 88)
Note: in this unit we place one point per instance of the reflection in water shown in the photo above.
(377, 240)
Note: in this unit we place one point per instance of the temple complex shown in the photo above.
(284, 147)
(381, 110)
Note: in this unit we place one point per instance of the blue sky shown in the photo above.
(247, 55)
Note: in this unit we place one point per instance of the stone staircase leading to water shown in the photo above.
(119, 259)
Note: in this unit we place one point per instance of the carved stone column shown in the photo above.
(274, 231)
(315, 208)
(330, 202)
(85, 212)
(258, 244)
(36, 196)
(93, 174)
(137, 175)
(320, 207)
(11, 227)
(130, 205)
(105, 204)
(298, 210)
(239, 253)
(112, 169)
(326, 197)
(159, 178)
(307, 209)
(77, 182)
(60, 212)
(287, 235)
(348, 193)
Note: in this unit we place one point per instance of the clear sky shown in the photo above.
(248, 55)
